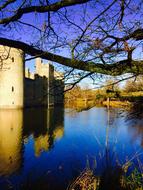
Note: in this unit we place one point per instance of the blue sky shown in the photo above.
(29, 35)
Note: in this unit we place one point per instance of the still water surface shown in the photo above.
(47, 149)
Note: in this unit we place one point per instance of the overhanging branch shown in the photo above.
(5, 4)
(113, 69)
(41, 9)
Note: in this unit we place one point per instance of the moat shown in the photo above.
(47, 149)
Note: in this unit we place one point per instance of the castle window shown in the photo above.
(12, 59)
(12, 89)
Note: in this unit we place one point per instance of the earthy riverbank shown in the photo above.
(118, 104)
(124, 101)
(81, 104)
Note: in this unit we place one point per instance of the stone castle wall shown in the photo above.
(20, 88)
(11, 77)
(38, 88)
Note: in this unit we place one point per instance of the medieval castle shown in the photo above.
(20, 88)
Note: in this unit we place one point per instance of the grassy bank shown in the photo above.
(123, 101)
(115, 179)
(80, 104)
(117, 104)
(116, 176)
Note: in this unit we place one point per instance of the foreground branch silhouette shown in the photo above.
(103, 41)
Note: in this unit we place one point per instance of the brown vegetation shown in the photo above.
(111, 93)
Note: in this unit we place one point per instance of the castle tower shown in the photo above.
(44, 82)
(11, 77)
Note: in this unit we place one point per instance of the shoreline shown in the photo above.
(117, 103)
(112, 103)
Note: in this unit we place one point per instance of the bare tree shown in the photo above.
(89, 37)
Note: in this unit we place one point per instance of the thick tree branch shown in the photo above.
(41, 9)
(113, 69)
(136, 35)
(6, 4)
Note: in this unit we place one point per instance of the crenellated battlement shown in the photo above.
(28, 74)
(43, 69)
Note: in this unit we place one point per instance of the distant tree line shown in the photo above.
(111, 89)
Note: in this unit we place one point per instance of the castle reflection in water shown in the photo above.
(16, 126)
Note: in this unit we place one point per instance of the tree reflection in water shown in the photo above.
(115, 174)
